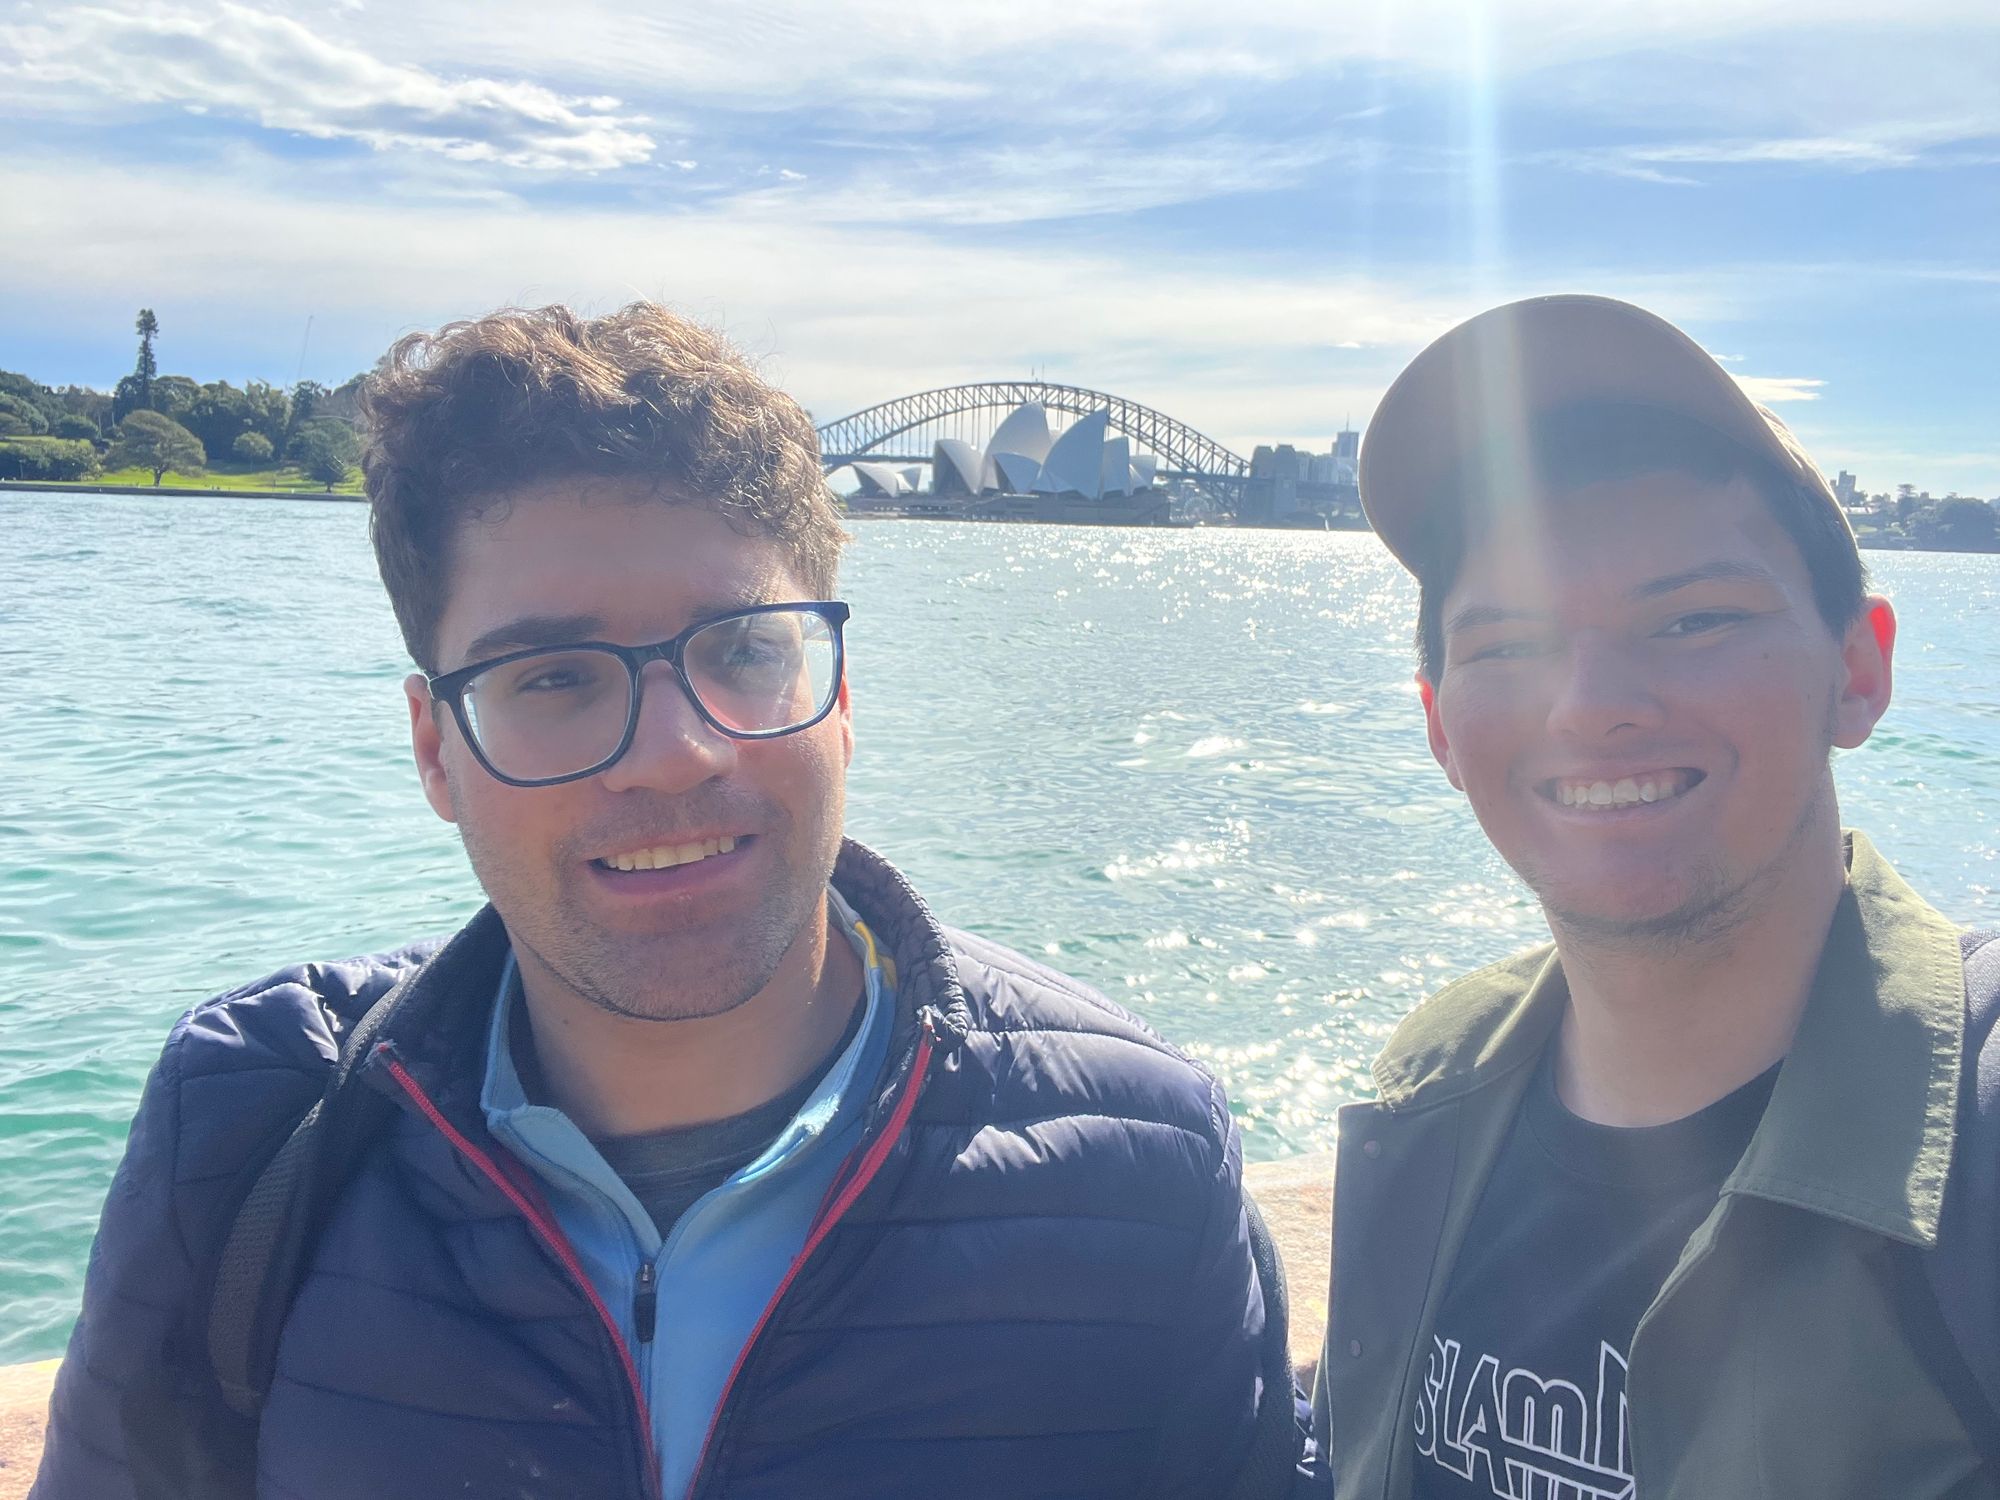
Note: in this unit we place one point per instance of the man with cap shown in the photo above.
(1655, 1209)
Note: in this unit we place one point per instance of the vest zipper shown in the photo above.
(864, 1173)
(552, 1237)
(646, 1304)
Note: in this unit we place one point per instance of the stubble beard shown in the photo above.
(670, 976)
(682, 976)
(1713, 911)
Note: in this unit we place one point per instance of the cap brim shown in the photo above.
(1477, 387)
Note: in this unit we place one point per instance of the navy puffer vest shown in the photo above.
(1032, 1281)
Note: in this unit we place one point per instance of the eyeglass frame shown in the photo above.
(449, 688)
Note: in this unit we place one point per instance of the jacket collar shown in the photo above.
(1860, 1123)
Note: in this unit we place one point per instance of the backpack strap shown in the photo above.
(1964, 1268)
(279, 1219)
(1271, 1467)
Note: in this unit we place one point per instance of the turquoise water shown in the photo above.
(1186, 766)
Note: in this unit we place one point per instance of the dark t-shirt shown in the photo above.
(669, 1171)
(1578, 1228)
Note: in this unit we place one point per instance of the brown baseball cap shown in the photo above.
(1476, 388)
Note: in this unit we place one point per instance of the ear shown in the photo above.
(1867, 655)
(427, 744)
(1434, 729)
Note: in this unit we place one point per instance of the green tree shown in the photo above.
(306, 398)
(270, 411)
(71, 425)
(32, 393)
(1958, 523)
(147, 440)
(252, 448)
(148, 328)
(219, 415)
(327, 449)
(175, 396)
(21, 418)
(81, 401)
(126, 398)
(46, 458)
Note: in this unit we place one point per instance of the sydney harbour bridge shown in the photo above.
(906, 429)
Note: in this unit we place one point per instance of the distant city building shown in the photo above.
(1290, 487)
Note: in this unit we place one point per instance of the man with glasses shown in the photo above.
(703, 1160)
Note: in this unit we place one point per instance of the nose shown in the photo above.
(673, 748)
(1601, 690)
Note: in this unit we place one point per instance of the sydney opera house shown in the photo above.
(1023, 459)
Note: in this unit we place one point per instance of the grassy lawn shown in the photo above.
(228, 477)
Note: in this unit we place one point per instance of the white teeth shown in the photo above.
(1628, 791)
(666, 856)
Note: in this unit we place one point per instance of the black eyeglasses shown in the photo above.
(560, 713)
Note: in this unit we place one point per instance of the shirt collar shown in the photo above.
(1861, 1120)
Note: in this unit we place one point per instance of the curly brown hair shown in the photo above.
(458, 419)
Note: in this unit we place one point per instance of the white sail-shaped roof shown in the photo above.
(1025, 431)
(1017, 472)
(1076, 461)
(1114, 471)
(882, 479)
(1145, 469)
(956, 468)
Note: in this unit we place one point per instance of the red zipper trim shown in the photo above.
(871, 1163)
(552, 1236)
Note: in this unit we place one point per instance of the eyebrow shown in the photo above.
(1475, 616)
(534, 630)
(566, 630)
(1722, 568)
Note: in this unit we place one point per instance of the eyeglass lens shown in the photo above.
(563, 711)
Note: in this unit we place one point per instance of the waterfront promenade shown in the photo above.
(1296, 1196)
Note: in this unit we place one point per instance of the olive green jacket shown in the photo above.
(1773, 1362)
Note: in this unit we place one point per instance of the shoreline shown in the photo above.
(53, 487)
(193, 492)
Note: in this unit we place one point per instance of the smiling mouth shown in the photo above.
(667, 856)
(1628, 791)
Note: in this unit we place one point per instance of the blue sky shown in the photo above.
(1250, 216)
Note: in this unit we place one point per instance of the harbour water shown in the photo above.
(1186, 766)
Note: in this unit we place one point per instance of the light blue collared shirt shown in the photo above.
(716, 1272)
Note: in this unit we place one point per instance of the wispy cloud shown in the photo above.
(1833, 151)
(1773, 390)
(998, 183)
(1908, 145)
(1026, 52)
(1613, 163)
(252, 65)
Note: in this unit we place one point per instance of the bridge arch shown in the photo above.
(1181, 449)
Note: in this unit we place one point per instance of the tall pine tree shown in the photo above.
(148, 327)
